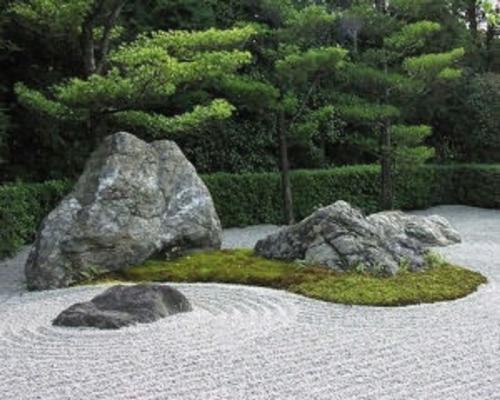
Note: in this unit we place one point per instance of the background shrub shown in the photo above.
(255, 198)
(477, 185)
(22, 208)
(476, 119)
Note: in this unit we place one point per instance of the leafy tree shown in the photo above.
(299, 74)
(477, 131)
(141, 79)
(296, 57)
(383, 82)
(91, 23)
(152, 15)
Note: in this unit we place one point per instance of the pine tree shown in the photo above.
(299, 59)
(92, 24)
(140, 81)
(382, 81)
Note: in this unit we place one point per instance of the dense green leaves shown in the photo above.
(412, 37)
(299, 67)
(55, 15)
(432, 66)
(364, 78)
(410, 134)
(34, 99)
(189, 44)
(355, 110)
(145, 74)
(161, 67)
(4, 126)
(156, 124)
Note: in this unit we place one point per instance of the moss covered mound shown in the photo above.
(440, 281)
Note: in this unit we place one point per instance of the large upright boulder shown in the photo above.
(341, 237)
(133, 200)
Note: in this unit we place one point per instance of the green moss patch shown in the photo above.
(438, 282)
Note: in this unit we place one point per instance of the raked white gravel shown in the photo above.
(244, 343)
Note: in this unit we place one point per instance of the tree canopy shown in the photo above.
(228, 81)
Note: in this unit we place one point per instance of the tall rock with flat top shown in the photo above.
(134, 200)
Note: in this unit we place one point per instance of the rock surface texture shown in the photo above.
(133, 200)
(341, 237)
(121, 306)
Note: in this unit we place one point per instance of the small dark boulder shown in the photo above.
(122, 305)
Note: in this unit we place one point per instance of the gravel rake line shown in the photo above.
(253, 343)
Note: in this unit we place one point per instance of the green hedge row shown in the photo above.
(255, 198)
(249, 199)
(22, 208)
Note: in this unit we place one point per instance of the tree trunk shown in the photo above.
(88, 50)
(110, 23)
(355, 44)
(285, 169)
(491, 33)
(110, 12)
(386, 168)
(471, 15)
(380, 5)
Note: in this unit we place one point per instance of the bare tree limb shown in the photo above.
(87, 42)
(106, 37)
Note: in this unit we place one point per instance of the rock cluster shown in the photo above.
(121, 306)
(133, 200)
(341, 238)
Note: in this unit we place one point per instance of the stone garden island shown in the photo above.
(250, 200)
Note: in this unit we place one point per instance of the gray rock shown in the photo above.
(433, 230)
(133, 200)
(341, 237)
(121, 306)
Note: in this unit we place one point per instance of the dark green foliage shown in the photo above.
(234, 145)
(479, 129)
(40, 56)
(358, 185)
(477, 185)
(246, 199)
(22, 208)
(249, 199)
(255, 198)
(4, 126)
(150, 15)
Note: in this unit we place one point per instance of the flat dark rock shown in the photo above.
(122, 305)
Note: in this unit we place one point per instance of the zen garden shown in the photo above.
(250, 200)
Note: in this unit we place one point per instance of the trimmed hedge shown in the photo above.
(255, 198)
(249, 199)
(22, 208)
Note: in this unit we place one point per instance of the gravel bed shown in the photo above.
(246, 237)
(254, 343)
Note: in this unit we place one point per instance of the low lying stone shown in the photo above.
(342, 238)
(122, 305)
(433, 230)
